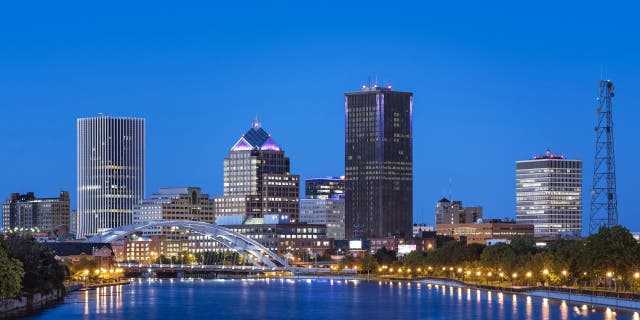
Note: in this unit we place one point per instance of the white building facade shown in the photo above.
(111, 172)
(549, 195)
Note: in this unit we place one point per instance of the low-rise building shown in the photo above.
(288, 238)
(419, 228)
(390, 243)
(74, 252)
(485, 230)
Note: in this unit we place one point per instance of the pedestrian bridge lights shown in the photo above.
(217, 237)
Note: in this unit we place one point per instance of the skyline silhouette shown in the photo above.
(491, 86)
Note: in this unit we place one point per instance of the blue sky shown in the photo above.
(493, 83)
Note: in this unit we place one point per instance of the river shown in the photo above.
(309, 299)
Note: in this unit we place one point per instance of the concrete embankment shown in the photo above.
(586, 297)
(10, 307)
(100, 285)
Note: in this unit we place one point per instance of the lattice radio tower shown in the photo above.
(604, 201)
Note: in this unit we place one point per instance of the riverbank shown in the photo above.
(12, 307)
(586, 297)
(9, 307)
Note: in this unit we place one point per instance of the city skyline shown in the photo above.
(473, 93)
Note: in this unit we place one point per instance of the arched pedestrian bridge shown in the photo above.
(260, 258)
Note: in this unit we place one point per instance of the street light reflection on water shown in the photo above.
(374, 300)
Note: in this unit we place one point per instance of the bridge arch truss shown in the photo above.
(248, 248)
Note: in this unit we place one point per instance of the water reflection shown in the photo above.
(545, 309)
(325, 299)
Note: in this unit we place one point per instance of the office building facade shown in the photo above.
(324, 188)
(378, 162)
(42, 215)
(329, 212)
(549, 195)
(187, 203)
(483, 231)
(257, 181)
(111, 172)
(452, 212)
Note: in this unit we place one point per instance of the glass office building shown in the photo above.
(549, 195)
(111, 172)
(378, 162)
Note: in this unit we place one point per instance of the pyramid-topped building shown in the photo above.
(256, 138)
(257, 180)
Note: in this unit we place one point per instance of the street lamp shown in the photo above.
(513, 278)
(528, 278)
(610, 276)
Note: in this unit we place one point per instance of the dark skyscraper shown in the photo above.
(378, 162)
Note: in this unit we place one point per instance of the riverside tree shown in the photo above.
(42, 272)
(11, 274)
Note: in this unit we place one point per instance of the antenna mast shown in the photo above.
(604, 200)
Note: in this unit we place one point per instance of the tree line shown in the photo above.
(610, 256)
(28, 267)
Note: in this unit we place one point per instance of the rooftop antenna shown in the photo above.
(604, 199)
(450, 182)
(256, 123)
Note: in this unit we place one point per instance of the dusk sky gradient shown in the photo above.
(493, 83)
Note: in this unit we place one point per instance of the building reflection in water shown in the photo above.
(545, 309)
(107, 300)
(564, 310)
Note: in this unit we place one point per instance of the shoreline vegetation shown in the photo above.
(608, 261)
(31, 275)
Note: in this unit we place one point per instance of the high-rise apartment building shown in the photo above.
(111, 172)
(378, 162)
(549, 195)
(47, 215)
(324, 188)
(452, 212)
(257, 181)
